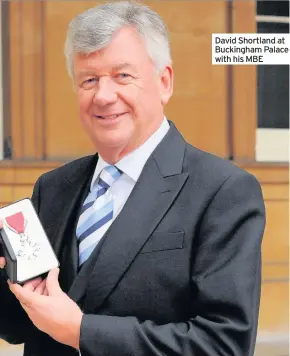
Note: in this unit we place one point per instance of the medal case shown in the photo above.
(27, 250)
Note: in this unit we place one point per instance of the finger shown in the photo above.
(26, 308)
(2, 259)
(41, 288)
(32, 285)
(52, 284)
(2, 262)
(25, 296)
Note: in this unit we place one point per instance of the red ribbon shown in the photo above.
(16, 222)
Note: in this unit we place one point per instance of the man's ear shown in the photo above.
(166, 84)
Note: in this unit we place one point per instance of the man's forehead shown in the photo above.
(90, 65)
(97, 61)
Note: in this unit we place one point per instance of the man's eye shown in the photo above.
(89, 83)
(90, 80)
(123, 75)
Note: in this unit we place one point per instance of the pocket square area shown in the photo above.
(162, 241)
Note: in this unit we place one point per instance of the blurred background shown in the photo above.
(240, 113)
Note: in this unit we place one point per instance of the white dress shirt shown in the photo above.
(131, 166)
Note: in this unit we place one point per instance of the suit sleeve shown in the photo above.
(226, 273)
(15, 325)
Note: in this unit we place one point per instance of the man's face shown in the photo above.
(120, 96)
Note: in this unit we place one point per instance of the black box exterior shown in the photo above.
(11, 260)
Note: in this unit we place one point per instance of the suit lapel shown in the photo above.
(159, 184)
(64, 219)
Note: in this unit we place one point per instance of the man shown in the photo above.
(159, 243)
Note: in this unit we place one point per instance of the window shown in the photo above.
(272, 142)
(1, 91)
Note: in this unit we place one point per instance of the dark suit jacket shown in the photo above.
(177, 273)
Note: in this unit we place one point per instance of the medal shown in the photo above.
(17, 223)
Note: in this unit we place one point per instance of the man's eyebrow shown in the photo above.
(86, 73)
(122, 66)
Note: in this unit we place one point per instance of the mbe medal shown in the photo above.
(27, 249)
(17, 223)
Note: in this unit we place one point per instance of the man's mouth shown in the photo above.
(109, 116)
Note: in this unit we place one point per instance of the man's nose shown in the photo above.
(105, 93)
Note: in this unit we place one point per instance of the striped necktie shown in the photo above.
(96, 213)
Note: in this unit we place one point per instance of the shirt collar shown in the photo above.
(133, 163)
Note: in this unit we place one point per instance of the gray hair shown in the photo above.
(93, 29)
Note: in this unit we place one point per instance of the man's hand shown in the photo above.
(2, 262)
(2, 259)
(54, 312)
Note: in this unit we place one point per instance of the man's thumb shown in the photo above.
(52, 284)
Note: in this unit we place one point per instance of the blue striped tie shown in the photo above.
(96, 213)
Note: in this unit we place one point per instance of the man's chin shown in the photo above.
(110, 145)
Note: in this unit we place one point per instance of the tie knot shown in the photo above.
(108, 176)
